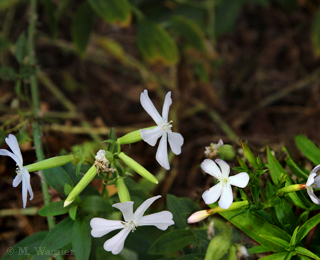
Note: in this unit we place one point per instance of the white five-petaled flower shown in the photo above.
(22, 173)
(223, 188)
(101, 227)
(163, 129)
(313, 182)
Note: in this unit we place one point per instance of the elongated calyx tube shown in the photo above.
(202, 214)
(130, 138)
(291, 188)
(86, 179)
(50, 163)
(123, 191)
(137, 168)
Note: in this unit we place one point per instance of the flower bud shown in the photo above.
(198, 216)
(130, 138)
(50, 163)
(137, 168)
(86, 179)
(226, 152)
(123, 191)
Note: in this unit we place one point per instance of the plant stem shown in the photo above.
(36, 104)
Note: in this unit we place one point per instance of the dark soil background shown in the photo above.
(266, 89)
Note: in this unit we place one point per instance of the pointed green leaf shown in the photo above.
(81, 27)
(308, 148)
(113, 11)
(54, 209)
(306, 252)
(8, 73)
(255, 225)
(95, 205)
(158, 45)
(73, 212)
(57, 178)
(59, 236)
(276, 240)
(258, 250)
(81, 239)
(293, 240)
(172, 242)
(279, 256)
(306, 227)
(295, 169)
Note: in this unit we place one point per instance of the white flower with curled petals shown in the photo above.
(313, 182)
(22, 173)
(163, 130)
(222, 189)
(101, 227)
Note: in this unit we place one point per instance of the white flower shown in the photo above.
(313, 182)
(223, 188)
(101, 227)
(22, 173)
(163, 129)
(211, 150)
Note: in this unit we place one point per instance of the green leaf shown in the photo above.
(21, 47)
(256, 225)
(54, 209)
(8, 73)
(308, 148)
(295, 169)
(113, 11)
(27, 246)
(95, 205)
(172, 242)
(293, 240)
(81, 27)
(73, 212)
(306, 252)
(59, 236)
(306, 227)
(181, 208)
(81, 239)
(189, 30)
(57, 178)
(279, 256)
(315, 34)
(219, 245)
(158, 46)
(276, 240)
(191, 257)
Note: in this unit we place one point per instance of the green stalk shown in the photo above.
(36, 104)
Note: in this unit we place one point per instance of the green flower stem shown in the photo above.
(50, 163)
(137, 168)
(291, 188)
(36, 105)
(86, 179)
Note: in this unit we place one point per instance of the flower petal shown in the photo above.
(143, 207)
(126, 208)
(166, 106)
(212, 195)
(29, 185)
(16, 180)
(101, 227)
(226, 197)
(310, 180)
(225, 168)
(211, 168)
(240, 180)
(149, 107)
(25, 186)
(162, 153)
(312, 196)
(12, 142)
(10, 154)
(316, 182)
(151, 136)
(161, 220)
(116, 243)
(175, 141)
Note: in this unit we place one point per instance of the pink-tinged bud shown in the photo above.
(198, 216)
